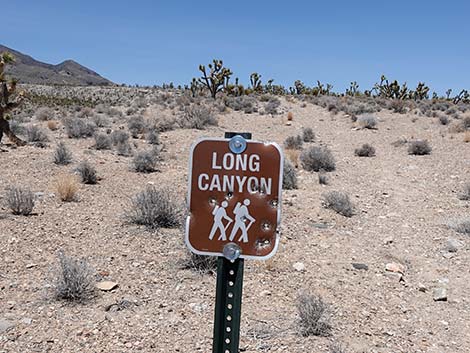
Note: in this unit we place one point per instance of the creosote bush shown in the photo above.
(338, 202)
(62, 155)
(67, 187)
(102, 142)
(365, 150)
(289, 180)
(317, 158)
(313, 313)
(19, 200)
(419, 147)
(308, 135)
(87, 173)
(155, 208)
(293, 142)
(73, 279)
(145, 161)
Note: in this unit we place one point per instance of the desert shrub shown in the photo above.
(246, 103)
(44, 113)
(145, 161)
(73, 279)
(36, 134)
(289, 180)
(336, 348)
(62, 155)
(308, 135)
(367, 122)
(102, 141)
(52, 125)
(465, 193)
(197, 117)
(365, 150)
(100, 120)
(79, 128)
(466, 123)
(136, 125)
(119, 137)
(322, 178)
(444, 120)
(19, 200)
(338, 202)
(16, 127)
(419, 147)
(462, 226)
(87, 173)
(200, 263)
(317, 158)
(397, 106)
(314, 316)
(272, 105)
(155, 208)
(152, 137)
(124, 149)
(67, 187)
(293, 142)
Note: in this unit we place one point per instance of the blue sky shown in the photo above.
(150, 42)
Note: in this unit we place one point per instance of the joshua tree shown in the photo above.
(218, 76)
(6, 91)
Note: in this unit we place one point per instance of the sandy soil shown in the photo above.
(403, 204)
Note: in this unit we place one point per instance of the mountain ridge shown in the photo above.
(69, 72)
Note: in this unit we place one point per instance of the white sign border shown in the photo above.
(188, 218)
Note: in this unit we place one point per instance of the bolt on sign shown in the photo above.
(234, 197)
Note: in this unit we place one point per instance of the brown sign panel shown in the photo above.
(234, 198)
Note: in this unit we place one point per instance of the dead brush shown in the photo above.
(201, 264)
(67, 187)
(52, 125)
(19, 200)
(338, 202)
(314, 316)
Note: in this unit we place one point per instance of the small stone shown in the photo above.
(320, 225)
(5, 325)
(360, 266)
(395, 267)
(265, 293)
(299, 266)
(107, 286)
(394, 275)
(440, 295)
(453, 245)
(422, 287)
(27, 321)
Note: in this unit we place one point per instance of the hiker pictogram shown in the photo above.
(219, 215)
(241, 216)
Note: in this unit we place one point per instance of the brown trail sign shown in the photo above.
(234, 197)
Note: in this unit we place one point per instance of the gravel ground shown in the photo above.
(403, 204)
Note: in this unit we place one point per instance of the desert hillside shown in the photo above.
(379, 235)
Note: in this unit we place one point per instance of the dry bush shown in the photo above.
(87, 173)
(136, 125)
(365, 150)
(124, 149)
(152, 137)
(322, 178)
(79, 128)
(462, 226)
(466, 137)
(367, 122)
(36, 134)
(314, 316)
(419, 147)
(289, 180)
(155, 208)
(197, 117)
(293, 143)
(293, 156)
(444, 120)
(102, 142)
(119, 137)
(73, 279)
(62, 155)
(308, 135)
(272, 105)
(145, 161)
(465, 194)
(246, 103)
(338, 202)
(67, 187)
(44, 113)
(202, 264)
(336, 347)
(317, 158)
(52, 125)
(19, 200)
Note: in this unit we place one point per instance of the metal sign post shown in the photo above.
(234, 197)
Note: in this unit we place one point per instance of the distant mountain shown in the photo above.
(28, 70)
